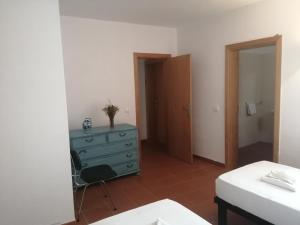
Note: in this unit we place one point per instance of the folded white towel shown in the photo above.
(279, 183)
(160, 222)
(281, 175)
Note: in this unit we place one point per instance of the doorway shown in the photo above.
(153, 106)
(163, 103)
(256, 104)
(252, 101)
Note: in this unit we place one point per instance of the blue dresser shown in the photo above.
(116, 147)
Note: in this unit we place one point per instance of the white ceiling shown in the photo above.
(152, 12)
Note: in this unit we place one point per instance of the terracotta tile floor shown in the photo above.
(161, 177)
(254, 153)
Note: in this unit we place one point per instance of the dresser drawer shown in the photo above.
(121, 135)
(88, 141)
(126, 168)
(104, 150)
(111, 160)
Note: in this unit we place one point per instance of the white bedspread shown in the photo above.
(243, 188)
(167, 210)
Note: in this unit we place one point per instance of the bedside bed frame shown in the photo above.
(223, 206)
(242, 191)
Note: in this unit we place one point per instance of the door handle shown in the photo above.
(128, 144)
(89, 140)
(129, 166)
(82, 151)
(187, 110)
(122, 134)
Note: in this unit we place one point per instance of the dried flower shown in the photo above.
(111, 110)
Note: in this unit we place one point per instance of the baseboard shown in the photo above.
(70, 223)
(210, 161)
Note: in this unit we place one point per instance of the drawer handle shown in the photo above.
(122, 134)
(128, 144)
(89, 140)
(129, 155)
(129, 166)
(82, 151)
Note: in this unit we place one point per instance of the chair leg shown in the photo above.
(102, 188)
(108, 194)
(81, 202)
(75, 188)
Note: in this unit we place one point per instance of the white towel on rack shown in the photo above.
(251, 109)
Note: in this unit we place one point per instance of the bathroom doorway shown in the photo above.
(252, 101)
(256, 104)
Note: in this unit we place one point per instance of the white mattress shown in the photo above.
(172, 213)
(243, 188)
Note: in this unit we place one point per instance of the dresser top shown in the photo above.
(99, 130)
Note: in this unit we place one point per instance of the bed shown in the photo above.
(169, 212)
(242, 191)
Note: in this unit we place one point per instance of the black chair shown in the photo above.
(91, 175)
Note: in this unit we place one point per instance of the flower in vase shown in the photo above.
(111, 110)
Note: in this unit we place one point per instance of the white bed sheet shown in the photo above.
(169, 211)
(243, 188)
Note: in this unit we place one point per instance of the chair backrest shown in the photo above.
(76, 160)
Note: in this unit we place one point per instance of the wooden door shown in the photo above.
(177, 80)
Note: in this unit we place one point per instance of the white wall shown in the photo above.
(268, 98)
(143, 130)
(98, 57)
(256, 85)
(35, 173)
(206, 41)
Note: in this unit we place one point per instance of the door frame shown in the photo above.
(136, 57)
(231, 95)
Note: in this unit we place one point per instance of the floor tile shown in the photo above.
(162, 176)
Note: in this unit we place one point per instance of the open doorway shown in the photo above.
(256, 104)
(153, 127)
(163, 103)
(252, 112)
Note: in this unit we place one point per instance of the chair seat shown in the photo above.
(97, 173)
